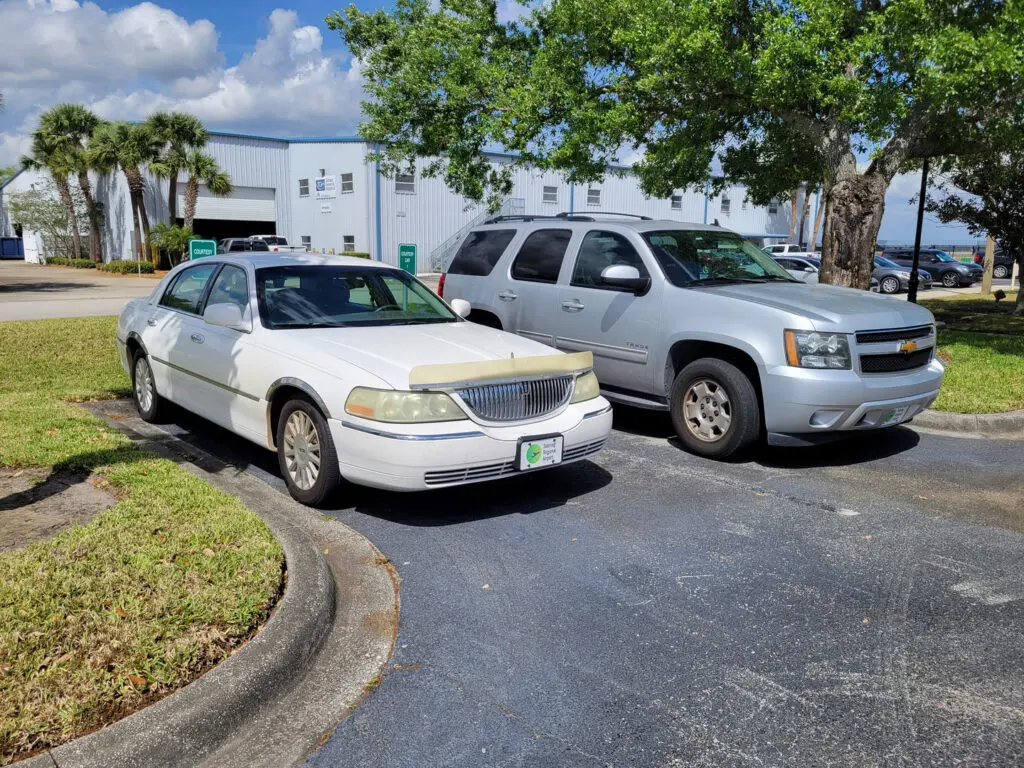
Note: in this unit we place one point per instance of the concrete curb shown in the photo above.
(247, 692)
(996, 425)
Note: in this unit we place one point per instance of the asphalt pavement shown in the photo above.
(35, 292)
(859, 604)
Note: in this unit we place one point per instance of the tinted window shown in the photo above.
(540, 257)
(186, 292)
(230, 287)
(259, 245)
(237, 245)
(694, 257)
(480, 252)
(599, 251)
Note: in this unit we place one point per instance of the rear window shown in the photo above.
(273, 240)
(540, 258)
(259, 245)
(480, 252)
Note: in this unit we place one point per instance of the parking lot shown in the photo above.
(857, 604)
(34, 292)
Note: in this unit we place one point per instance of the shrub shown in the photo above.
(357, 254)
(64, 261)
(127, 267)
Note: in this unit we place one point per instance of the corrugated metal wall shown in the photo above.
(327, 220)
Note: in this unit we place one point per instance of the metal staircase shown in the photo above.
(441, 256)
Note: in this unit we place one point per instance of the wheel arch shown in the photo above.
(484, 317)
(684, 351)
(279, 393)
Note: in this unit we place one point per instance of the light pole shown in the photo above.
(912, 288)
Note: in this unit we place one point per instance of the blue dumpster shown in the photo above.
(12, 248)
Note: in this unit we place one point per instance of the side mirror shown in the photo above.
(809, 268)
(227, 315)
(461, 307)
(625, 278)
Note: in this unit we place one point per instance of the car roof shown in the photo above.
(590, 220)
(261, 259)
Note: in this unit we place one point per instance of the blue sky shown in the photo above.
(256, 66)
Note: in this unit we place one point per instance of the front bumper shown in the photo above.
(803, 405)
(413, 457)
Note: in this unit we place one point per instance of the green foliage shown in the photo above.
(63, 261)
(40, 210)
(126, 267)
(173, 240)
(7, 172)
(122, 146)
(356, 254)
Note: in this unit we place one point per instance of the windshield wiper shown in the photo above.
(294, 326)
(723, 279)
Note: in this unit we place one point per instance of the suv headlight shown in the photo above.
(400, 407)
(587, 387)
(810, 349)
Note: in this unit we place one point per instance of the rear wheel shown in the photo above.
(1001, 271)
(147, 401)
(890, 285)
(714, 408)
(951, 279)
(306, 453)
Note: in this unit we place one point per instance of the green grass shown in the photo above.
(108, 616)
(982, 346)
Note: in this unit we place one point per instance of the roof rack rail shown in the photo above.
(589, 216)
(518, 217)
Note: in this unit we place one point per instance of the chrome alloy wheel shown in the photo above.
(144, 390)
(707, 410)
(302, 450)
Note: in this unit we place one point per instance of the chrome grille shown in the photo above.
(470, 474)
(581, 451)
(517, 400)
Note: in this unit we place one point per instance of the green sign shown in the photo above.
(199, 248)
(407, 257)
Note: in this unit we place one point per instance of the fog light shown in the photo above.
(825, 419)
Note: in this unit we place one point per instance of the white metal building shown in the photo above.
(326, 193)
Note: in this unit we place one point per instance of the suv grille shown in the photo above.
(897, 362)
(519, 400)
(900, 334)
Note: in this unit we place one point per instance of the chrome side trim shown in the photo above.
(195, 375)
(395, 436)
(601, 412)
(625, 354)
(288, 381)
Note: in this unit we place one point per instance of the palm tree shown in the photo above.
(180, 133)
(74, 124)
(201, 167)
(51, 154)
(127, 146)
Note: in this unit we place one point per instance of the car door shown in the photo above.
(614, 324)
(532, 292)
(169, 331)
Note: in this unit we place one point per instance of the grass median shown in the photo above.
(108, 616)
(981, 343)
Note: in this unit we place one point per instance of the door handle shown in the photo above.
(198, 338)
(151, 322)
(508, 296)
(573, 305)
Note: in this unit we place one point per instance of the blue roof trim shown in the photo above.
(293, 139)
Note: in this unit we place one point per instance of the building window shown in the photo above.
(303, 187)
(307, 241)
(347, 184)
(348, 243)
(405, 184)
(726, 206)
(743, 205)
(677, 202)
(550, 194)
(773, 208)
(593, 196)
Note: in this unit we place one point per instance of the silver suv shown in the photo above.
(694, 320)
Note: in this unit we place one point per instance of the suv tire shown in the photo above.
(714, 408)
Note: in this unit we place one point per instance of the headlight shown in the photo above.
(905, 275)
(587, 387)
(402, 407)
(810, 349)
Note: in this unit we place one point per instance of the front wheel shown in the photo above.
(890, 285)
(714, 408)
(306, 453)
(1001, 271)
(951, 280)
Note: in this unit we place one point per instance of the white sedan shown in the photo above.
(351, 369)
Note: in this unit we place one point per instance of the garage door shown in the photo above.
(243, 204)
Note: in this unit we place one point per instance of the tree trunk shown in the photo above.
(138, 186)
(792, 215)
(64, 190)
(817, 221)
(95, 246)
(1019, 308)
(172, 197)
(803, 213)
(191, 198)
(854, 216)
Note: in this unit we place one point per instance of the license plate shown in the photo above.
(539, 452)
(895, 416)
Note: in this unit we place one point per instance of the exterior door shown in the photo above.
(532, 292)
(617, 326)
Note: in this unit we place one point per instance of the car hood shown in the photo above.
(830, 308)
(391, 352)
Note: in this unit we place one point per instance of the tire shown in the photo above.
(951, 279)
(303, 439)
(147, 401)
(704, 392)
(1001, 271)
(485, 319)
(889, 285)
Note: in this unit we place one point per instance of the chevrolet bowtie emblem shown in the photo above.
(908, 346)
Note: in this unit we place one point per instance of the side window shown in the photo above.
(186, 292)
(236, 245)
(786, 263)
(480, 251)
(601, 250)
(230, 287)
(540, 258)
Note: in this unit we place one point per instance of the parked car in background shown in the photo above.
(788, 249)
(278, 244)
(804, 270)
(892, 278)
(350, 369)
(939, 264)
(694, 320)
(1002, 267)
(240, 245)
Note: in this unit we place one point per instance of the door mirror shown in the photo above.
(809, 268)
(227, 315)
(625, 278)
(461, 307)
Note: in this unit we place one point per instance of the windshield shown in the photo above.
(943, 256)
(272, 240)
(693, 257)
(885, 263)
(313, 296)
